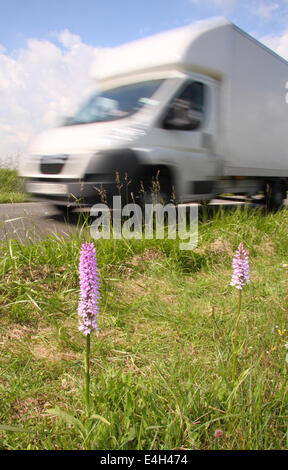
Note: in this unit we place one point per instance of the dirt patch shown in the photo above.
(169, 299)
(169, 295)
(267, 248)
(48, 351)
(134, 288)
(147, 286)
(147, 255)
(116, 335)
(220, 246)
(38, 273)
(139, 260)
(15, 332)
(39, 342)
(30, 407)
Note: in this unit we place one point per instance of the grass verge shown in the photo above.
(162, 363)
(11, 187)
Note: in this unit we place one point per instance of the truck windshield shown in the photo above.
(116, 103)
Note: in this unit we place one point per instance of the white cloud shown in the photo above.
(278, 43)
(263, 9)
(266, 11)
(39, 84)
(69, 39)
(223, 5)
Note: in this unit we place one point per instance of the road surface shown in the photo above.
(36, 220)
(33, 220)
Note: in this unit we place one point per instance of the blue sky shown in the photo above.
(47, 47)
(103, 23)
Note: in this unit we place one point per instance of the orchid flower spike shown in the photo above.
(88, 307)
(241, 270)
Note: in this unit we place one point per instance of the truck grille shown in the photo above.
(52, 164)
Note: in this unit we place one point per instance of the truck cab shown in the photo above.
(148, 128)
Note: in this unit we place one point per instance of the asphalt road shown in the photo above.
(35, 220)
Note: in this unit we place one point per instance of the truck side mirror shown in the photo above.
(181, 116)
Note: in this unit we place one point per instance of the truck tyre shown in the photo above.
(65, 210)
(159, 193)
(275, 194)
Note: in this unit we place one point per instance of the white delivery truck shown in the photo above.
(204, 106)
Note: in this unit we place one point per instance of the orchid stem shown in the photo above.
(236, 337)
(87, 370)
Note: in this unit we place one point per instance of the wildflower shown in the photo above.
(218, 434)
(89, 289)
(241, 270)
(240, 276)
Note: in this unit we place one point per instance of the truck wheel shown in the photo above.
(159, 193)
(65, 210)
(275, 194)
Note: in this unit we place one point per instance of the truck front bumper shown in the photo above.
(73, 193)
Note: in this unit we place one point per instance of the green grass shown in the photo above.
(11, 187)
(162, 363)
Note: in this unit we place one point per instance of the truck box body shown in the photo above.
(257, 115)
(242, 135)
(253, 111)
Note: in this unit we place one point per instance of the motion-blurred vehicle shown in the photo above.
(203, 109)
